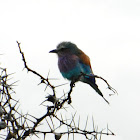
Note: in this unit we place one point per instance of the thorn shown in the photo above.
(79, 121)
(106, 100)
(86, 123)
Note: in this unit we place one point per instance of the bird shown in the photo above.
(75, 65)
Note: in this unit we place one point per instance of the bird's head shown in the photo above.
(64, 48)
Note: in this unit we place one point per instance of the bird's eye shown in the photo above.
(62, 49)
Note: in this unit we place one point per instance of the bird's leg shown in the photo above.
(72, 84)
(73, 81)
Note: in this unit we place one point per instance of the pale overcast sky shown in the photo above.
(107, 30)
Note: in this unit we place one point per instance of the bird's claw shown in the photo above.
(72, 84)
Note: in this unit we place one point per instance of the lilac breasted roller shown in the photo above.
(74, 65)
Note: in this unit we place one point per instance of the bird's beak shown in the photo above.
(53, 51)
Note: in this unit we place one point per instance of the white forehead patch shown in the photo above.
(60, 47)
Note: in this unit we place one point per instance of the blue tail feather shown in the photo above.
(91, 81)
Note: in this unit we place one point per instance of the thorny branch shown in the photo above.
(19, 126)
(96, 76)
